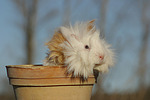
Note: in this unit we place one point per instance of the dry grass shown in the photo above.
(142, 94)
(7, 97)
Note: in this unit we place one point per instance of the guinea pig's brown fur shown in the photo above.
(56, 56)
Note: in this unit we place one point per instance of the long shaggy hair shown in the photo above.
(81, 49)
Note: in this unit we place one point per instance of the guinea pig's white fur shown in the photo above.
(82, 60)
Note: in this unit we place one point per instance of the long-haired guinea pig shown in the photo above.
(81, 49)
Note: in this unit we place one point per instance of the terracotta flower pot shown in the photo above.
(37, 82)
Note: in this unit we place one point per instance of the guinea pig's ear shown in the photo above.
(76, 37)
(67, 34)
(65, 31)
(91, 26)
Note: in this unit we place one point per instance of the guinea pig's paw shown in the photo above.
(102, 68)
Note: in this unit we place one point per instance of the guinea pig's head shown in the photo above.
(84, 50)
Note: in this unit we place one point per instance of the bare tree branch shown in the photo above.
(51, 14)
(28, 10)
(103, 11)
(144, 43)
(21, 4)
(30, 31)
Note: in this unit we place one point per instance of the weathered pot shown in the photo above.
(37, 82)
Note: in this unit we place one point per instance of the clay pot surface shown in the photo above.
(37, 82)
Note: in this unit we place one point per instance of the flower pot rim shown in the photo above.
(36, 75)
(55, 70)
(34, 66)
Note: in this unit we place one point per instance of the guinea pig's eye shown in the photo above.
(86, 47)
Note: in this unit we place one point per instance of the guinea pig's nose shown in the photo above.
(101, 57)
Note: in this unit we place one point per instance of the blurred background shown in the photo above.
(25, 25)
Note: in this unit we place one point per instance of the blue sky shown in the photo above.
(127, 35)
